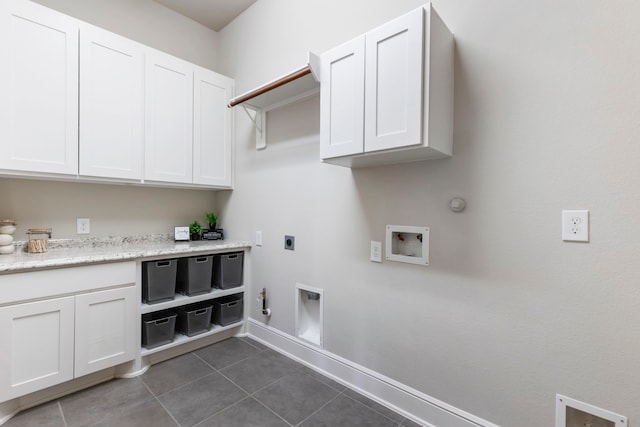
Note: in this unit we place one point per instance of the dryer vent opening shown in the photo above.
(573, 413)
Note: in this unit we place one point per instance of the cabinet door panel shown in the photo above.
(105, 329)
(39, 86)
(169, 119)
(111, 105)
(212, 129)
(393, 95)
(37, 346)
(342, 100)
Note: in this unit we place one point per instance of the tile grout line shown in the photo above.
(222, 410)
(181, 386)
(160, 403)
(320, 408)
(270, 410)
(374, 410)
(64, 419)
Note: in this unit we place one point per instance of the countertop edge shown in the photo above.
(59, 258)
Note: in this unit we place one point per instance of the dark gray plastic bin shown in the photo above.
(227, 270)
(194, 319)
(159, 280)
(228, 310)
(194, 275)
(158, 328)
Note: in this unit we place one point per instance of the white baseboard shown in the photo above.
(412, 404)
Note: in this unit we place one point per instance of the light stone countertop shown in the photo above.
(77, 252)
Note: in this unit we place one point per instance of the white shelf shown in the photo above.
(297, 85)
(180, 339)
(184, 299)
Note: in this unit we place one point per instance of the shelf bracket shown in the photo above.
(259, 119)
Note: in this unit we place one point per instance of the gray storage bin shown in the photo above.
(158, 328)
(228, 310)
(194, 275)
(194, 319)
(159, 280)
(227, 270)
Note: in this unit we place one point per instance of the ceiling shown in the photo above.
(214, 14)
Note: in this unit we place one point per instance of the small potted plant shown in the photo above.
(212, 219)
(195, 229)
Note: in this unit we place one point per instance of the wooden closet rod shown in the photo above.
(270, 86)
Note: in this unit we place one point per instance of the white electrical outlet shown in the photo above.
(376, 251)
(83, 226)
(258, 238)
(575, 226)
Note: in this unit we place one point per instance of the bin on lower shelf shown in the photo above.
(194, 319)
(194, 275)
(158, 328)
(228, 310)
(159, 280)
(227, 270)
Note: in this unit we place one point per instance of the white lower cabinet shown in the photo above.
(104, 336)
(37, 344)
(55, 339)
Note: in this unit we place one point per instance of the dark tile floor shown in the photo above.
(234, 383)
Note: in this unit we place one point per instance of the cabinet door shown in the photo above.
(105, 329)
(39, 87)
(342, 100)
(111, 105)
(37, 346)
(393, 94)
(212, 129)
(169, 118)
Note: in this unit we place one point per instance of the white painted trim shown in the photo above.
(409, 402)
(562, 402)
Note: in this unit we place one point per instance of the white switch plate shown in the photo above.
(258, 238)
(376, 251)
(83, 226)
(575, 226)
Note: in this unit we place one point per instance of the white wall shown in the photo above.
(546, 118)
(114, 210)
(117, 210)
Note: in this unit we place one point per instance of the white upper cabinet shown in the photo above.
(212, 129)
(79, 102)
(394, 102)
(169, 119)
(342, 100)
(111, 105)
(39, 87)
